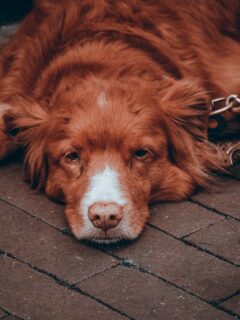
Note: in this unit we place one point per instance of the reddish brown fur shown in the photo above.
(159, 64)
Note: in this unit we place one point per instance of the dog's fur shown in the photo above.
(109, 100)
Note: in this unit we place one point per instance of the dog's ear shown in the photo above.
(27, 122)
(185, 110)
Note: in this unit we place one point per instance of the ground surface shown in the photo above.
(184, 266)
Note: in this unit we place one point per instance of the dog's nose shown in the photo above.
(105, 215)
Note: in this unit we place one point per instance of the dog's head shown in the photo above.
(107, 149)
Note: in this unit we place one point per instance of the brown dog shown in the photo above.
(110, 101)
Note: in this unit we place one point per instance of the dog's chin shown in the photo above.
(111, 237)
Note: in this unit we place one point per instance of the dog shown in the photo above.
(109, 102)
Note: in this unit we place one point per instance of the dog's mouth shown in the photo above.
(111, 237)
(106, 241)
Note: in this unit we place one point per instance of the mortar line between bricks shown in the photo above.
(97, 273)
(4, 310)
(30, 214)
(9, 314)
(122, 260)
(128, 264)
(211, 303)
(226, 215)
(187, 242)
(65, 284)
(125, 263)
(191, 244)
(200, 229)
(219, 301)
(64, 232)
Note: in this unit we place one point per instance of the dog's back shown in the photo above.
(177, 34)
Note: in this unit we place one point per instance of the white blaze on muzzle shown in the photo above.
(104, 187)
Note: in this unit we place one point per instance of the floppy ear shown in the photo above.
(28, 122)
(185, 112)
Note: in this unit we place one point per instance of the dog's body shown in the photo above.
(110, 100)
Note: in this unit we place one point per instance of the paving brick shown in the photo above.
(181, 219)
(14, 190)
(43, 246)
(226, 199)
(233, 304)
(222, 238)
(142, 296)
(31, 295)
(198, 272)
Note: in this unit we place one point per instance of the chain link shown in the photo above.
(230, 151)
(231, 103)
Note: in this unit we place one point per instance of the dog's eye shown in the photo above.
(73, 156)
(141, 153)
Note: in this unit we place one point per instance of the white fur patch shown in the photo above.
(104, 186)
(101, 100)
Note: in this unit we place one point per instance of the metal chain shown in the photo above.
(230, 151)
(232, 103)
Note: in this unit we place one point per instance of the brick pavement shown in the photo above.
(184, 266)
